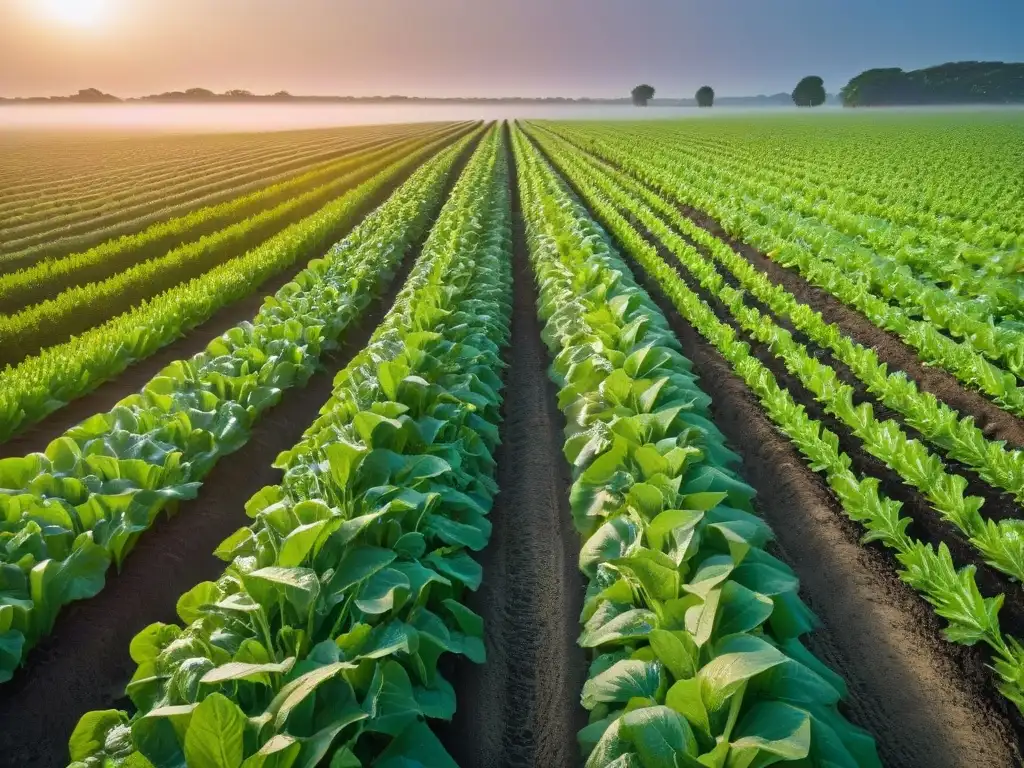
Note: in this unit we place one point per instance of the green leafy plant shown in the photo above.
(971, 617)
(69, 512)
(321, 640)
(45, 382)
(693, 629)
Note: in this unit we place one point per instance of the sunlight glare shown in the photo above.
(76, 13)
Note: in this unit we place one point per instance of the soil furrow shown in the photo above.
(84, 664)
(195, 340)
(929, 703)
(521, 709)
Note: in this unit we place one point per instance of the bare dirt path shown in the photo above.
(84, 664)
(521, 709)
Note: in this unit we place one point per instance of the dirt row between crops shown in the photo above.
(928, 703)
(84, 664)
(522, 708)
(137, 375)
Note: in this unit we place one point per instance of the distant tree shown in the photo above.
(705, 96)
(282, 95)
(958, 82)
(199, 93)
(238, 93)
(91, 95)
(809, 92)
(642, 94)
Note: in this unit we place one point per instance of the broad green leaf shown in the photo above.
(771, 732)
(659, 735)
(415, 747)
(677, 651)
(91, 732)
(238, 671)
(215, 734)
(387, 590)
(299, 543)
(295, 692)
(740, 658)
(624, 627)
(392, 704)
(622, 681)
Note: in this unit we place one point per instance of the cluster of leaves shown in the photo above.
(693, 628)
(972, 291)
(833, 261)
(1001, 543)
(969, 252)
(67, 513)
(44, 280)
(85, 306)
(321, 640)
(957, 435)
(954, 593)
(198, 185)
(48, 189)
(45, 382)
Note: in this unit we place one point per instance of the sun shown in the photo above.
(76, 13)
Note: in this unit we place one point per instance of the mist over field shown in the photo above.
(219, 118)
(272, 117)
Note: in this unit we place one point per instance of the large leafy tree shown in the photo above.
(642, 94)
(705, 96)
(809, 92)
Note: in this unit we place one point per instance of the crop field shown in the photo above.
(656, 444)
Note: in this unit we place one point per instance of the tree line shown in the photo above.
(962, 82)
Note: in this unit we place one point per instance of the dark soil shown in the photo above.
(929, 703)
(195, 340)
(522, 707)
(84, 664)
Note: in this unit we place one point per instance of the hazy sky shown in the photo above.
(487, 47)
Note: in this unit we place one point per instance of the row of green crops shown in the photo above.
(36, 175)
(954, 593)
(694, 630)
(942, 425)
(44, 280)
(922, 152)
(59, 374)
(79, 308)
(67, 513)
(155, 176)
(321, 640)
(1000, 543)
(834, 264)
(980, 274)
(194, 189)
(58, 206)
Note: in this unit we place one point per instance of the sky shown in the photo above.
(598, 48)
